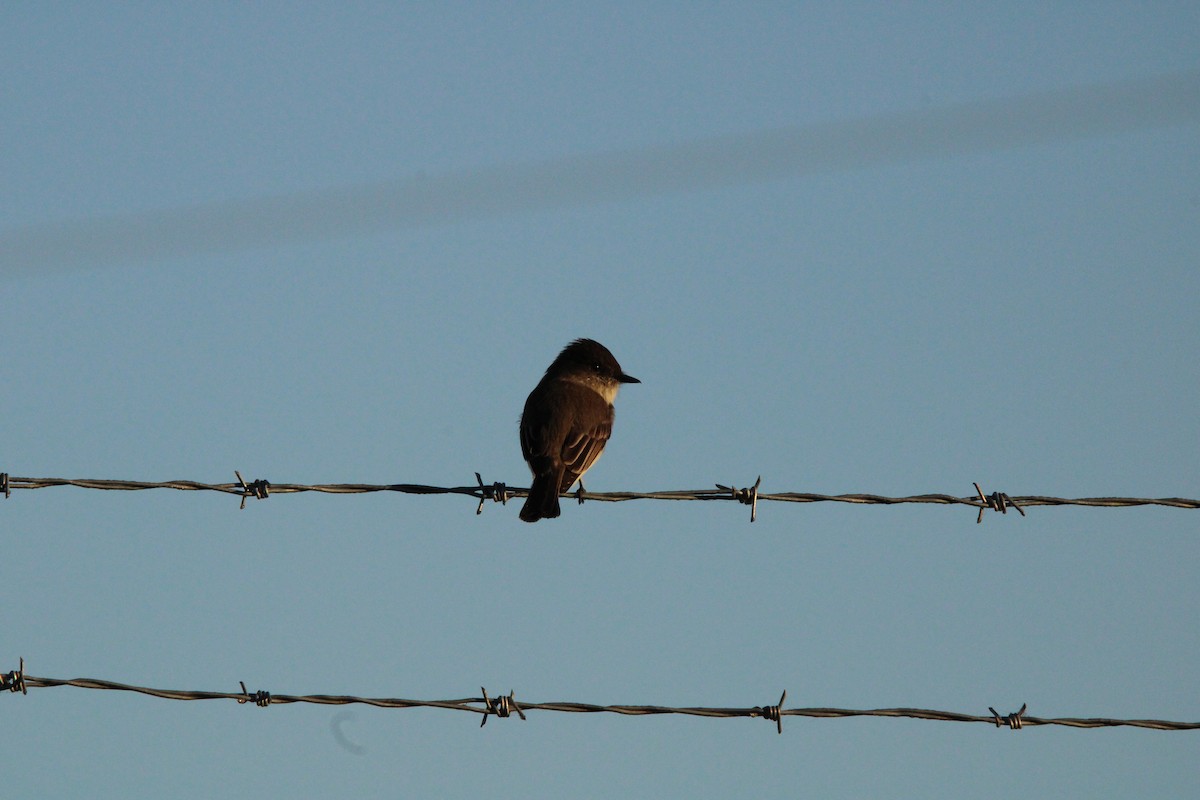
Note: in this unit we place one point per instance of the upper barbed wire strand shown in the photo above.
(482, 492)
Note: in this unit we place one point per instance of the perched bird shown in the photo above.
(567, 421)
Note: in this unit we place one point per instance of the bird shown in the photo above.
(567, 420)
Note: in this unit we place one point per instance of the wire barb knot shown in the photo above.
(502, 706)
(15, 680)
(1013, 720)
(996, 501)
(771, 713)
(497, 491)
(748, 497)
(260, 698)
(259, 489)
(4, 487)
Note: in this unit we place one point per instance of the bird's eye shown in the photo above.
(596, 367)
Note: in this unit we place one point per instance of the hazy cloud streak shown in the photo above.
(607, 177)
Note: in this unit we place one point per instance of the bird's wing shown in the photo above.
(583, 446)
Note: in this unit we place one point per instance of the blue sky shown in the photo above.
(207, 265)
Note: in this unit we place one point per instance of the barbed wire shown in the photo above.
(506, 705)
(502, 493)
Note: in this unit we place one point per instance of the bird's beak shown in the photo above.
(623, 378)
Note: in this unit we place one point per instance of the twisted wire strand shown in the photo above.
(484, 705)
(501, 492)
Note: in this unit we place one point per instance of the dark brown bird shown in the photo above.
(567, 421)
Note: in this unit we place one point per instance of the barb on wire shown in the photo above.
(997, 501)
(4, 487)
(260, 489)
(501, 706)
(15, 680)
(745, 496)
(505, 705)
(1013, 720)
(772, 713)
(260, 698)
(497, 492)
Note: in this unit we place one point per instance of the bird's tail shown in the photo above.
(542, 502)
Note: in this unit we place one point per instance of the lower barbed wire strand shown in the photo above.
(478, 705)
